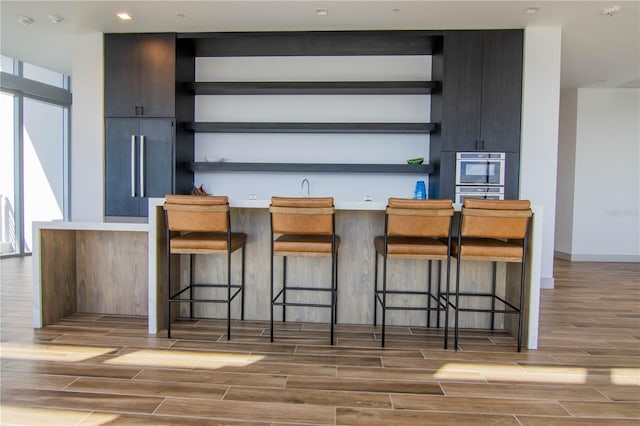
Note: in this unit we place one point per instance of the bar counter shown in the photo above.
(120, 268)
(357, 222)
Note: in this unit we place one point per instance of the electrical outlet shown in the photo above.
(252, 196)
(368, 198)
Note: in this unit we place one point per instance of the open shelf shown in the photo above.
(315, 88)
(269, 127)
(422, 169)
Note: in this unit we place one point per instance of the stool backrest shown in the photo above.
(195, 213)
(505, 219)
(419, 218)
(302, 215)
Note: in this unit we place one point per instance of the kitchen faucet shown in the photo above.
(308, 193)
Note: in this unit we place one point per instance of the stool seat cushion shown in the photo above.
(206, 242)
(487, 249)
(412, 247)
(293, 243)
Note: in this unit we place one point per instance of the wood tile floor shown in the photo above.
(105, 370)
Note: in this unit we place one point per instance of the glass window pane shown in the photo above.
(7, 197)
(43, 75)
(43, 165)
(6, 64)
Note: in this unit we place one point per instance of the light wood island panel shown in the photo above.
(89, 268)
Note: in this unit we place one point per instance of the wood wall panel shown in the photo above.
(58, 274)
(112, 272)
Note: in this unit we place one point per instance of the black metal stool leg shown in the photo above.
(335, 314)
(429, 294)
(242, 287)
(375, 290)
(168, 286)
(191, 269)
(493, 297)
(271, 297)
(284, 288)
(384, 297)
(229, 295)
(457, 305)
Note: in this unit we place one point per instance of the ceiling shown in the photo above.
(597, 50)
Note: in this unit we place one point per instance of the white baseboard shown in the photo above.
(547, 282)
(572, 257)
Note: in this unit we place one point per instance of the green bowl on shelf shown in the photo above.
(415, 160)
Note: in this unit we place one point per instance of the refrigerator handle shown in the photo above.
(141, 168)
(133, 166)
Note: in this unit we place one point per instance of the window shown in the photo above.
(34, 139)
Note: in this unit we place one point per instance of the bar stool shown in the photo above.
(303, 227)
(419, 230)
(202, 225)
(492, 231)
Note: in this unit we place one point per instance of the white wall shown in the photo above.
(606, 224)
(87, 160)
(566, 172)
(312, 148)
(539, 145)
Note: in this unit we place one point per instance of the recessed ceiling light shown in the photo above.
(322, 12)
(25, 20)
(610, 10)
(56, 19)
(181, 15)
(124, 16)
(396, 10)
(531, 10)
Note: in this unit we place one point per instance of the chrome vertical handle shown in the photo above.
(133, 166)
(141, 169)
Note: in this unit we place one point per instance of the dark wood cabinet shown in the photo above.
(139, 75)
(482, 91)
(479, 106)
(139, 163)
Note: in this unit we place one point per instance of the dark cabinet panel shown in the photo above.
(482, 91)
(139, 75)
(501, 90)
(121, 167)
(139, 163)
(159, 159)
(462, 91)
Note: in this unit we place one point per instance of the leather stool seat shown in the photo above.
(206, 242)
(488, 249)
(312, 245)
(410, 247)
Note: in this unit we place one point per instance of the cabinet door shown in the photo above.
(502, 90)
(461, 91)
(139, 75)
(121, 178)
(157, 75)
(121, 70)
(158, 159)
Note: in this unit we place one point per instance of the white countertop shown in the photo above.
(126, 224)
(340, 205)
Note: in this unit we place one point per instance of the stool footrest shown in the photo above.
(311, 305)
(182, 290)
(514, 309)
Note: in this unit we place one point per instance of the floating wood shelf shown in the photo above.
(315, 88)
(270, 127)
(422, 169)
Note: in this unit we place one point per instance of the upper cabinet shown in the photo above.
(139, 75)
(481, 91)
